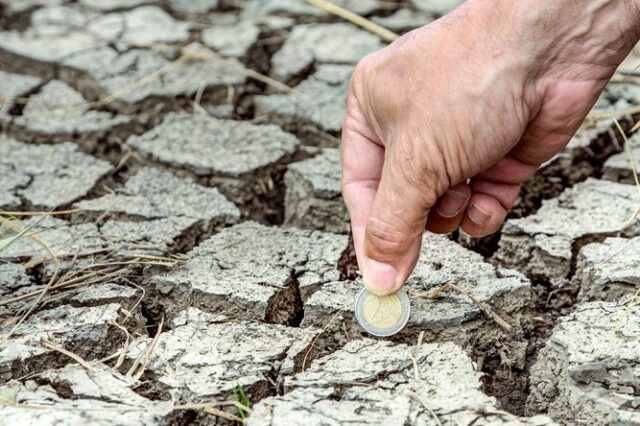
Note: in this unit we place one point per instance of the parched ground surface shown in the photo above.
(201, 261)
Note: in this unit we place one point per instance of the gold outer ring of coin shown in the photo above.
(404, 312)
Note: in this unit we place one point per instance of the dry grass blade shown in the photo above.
(20, 232)
(313, 343)
(414, 357)
(612, 114)
(125, 348)
(354, 18)
(595, 269)
(50, 345)
(415, 396)
(627, 149)
(625, 313)
(147, 79)
(185, 56)
(211, 56)
(44, 291)
(100, 276)
(50, 213)
(206, 408)
(147, 354)
(629, 74)
(432, 295)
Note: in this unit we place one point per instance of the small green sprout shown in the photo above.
(240, 396)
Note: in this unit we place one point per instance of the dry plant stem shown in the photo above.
(39, 260)
(356, 19)
(414, 357)
(147, 353)
(627, 149)
(125, 158)
(432, 295)
(595, 269)
(43, 292)
(415, 396)
(210, 56)
(32, 213)
(620, 113)
(206, 408)
(131, 283)
(49, 344)
(123, 353)
(313, 343)
(69, 283)
(625, 313)
(185, 56)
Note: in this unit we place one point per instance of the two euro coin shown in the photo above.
(383, 316)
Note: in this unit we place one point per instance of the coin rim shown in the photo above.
(391, 331)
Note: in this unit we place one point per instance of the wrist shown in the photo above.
(559, 37)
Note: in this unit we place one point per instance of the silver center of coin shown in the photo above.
(383, 316)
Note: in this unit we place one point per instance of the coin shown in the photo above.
(382, 316)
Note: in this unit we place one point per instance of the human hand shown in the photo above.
(445, 124)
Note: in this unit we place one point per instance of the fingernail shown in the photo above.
(378, 277)
(478, 215)
(451, 203)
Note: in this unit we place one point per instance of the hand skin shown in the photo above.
(445, 124)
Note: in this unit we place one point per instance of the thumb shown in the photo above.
(396, 222)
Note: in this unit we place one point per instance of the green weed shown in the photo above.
(240, 396)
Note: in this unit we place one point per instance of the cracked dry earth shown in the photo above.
(203, 245)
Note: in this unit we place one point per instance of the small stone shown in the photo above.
(240, 158)
(540, 245)
(251, 272)
(375, 383)
(58, 110)
(88, 332)
(319, 103)
(590, 354)
(608, 270)
(313, 199)
(156, 194)
(310, 44)
(232, 40)
(48, 176)
(204, 356)
(99, 396)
